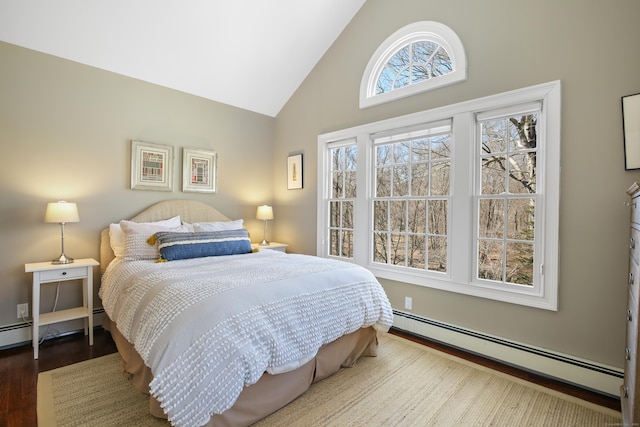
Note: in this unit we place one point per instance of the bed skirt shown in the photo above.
(271, 392)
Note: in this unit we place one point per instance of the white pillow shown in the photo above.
(116, 234)
(218, 225)
(136, 236)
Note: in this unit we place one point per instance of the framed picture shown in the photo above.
(151, 166)
(631, 129)
(294, 172)
(199, 170)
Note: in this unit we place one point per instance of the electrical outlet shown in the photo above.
(408, 303)
(23, 310)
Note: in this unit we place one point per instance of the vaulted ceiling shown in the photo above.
(252, 54)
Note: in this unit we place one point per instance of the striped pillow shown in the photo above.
(136, 239)
(174, 246)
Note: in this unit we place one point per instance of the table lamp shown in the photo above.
(62, 212)
(264, 213)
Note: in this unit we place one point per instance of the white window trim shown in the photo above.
(418, 31)
(546, 297)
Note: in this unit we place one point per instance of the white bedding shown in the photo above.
(208, 327)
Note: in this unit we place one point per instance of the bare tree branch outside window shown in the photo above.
(412, 64)
(507, 204)
(341, 202)
(411, 202)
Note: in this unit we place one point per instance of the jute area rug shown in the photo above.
(406, 385)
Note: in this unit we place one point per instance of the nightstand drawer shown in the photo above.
(63, 274)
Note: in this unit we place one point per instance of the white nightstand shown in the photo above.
(45, 272)
(282, 247)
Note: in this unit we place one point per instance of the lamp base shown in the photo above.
(62, 259)
(264, 243)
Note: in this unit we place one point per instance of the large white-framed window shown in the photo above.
(421, 56)
(463, 198)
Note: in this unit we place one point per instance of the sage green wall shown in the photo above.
(65, 132)
(592, 48)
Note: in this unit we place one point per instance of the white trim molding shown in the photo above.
(570, 369)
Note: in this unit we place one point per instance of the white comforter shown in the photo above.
(208, 327)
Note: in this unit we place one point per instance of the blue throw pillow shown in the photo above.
(174, 246)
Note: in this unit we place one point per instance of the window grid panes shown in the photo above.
(412, 64)
(411, 199)
(507, 201)
(342, 200)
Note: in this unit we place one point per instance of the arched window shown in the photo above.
(419, 57)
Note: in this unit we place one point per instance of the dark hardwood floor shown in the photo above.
(19, 372)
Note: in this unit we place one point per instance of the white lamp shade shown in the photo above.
(264, 212)
(61, 212)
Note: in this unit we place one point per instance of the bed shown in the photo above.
(218, 334)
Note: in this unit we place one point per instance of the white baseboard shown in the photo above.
(20, 333)
(587, 374)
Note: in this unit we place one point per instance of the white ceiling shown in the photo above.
(251, 54)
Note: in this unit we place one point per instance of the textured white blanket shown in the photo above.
(208, 327)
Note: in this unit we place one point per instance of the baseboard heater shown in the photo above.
(19, 334)
(583, 373)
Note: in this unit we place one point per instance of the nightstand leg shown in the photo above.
(89, 304)
(85, 285)
(35, 307)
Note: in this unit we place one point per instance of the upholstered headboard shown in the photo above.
(189, 210)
